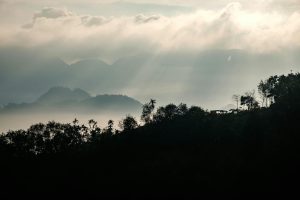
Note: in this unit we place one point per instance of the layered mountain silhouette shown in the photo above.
(179, 77)
(62, 95)
(63, 99)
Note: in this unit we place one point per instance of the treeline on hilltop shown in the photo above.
(246, 149)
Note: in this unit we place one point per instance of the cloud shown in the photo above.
(145, 19)
(67, 34)
(52, 13)
(48, 13)
(94, 20)
(185, 52)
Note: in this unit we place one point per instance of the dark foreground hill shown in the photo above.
(179, 153)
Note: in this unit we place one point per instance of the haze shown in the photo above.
(197, 52)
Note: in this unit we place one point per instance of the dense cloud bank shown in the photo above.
(74, 36)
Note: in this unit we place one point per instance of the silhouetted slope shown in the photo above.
(181, 152)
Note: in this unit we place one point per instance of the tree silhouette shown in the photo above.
(182, 109)
(148, 108)
(249, 100)
(109, 131)
(180, 145)
(165, 113)
(128, 124)
(285, 89)
(94, 130)
(110, 126)
(265, 89)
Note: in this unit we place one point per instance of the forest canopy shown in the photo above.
(175, 144)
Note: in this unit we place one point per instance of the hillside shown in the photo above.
(178, 152)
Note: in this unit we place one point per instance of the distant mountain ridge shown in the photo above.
(63, 99)
(63, 94)
(167, 77)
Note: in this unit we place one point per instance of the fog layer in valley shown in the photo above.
(64, 105)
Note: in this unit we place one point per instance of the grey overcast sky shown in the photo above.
(74, 30)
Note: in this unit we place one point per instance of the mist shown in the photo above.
(63, 104)
(196, 52)
(25, 120)
(149, 99)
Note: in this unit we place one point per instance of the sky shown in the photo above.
(111, 29)
(170, 33)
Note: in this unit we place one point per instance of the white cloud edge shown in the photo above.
(229, 28)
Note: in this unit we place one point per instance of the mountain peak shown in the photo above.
(62, 94)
